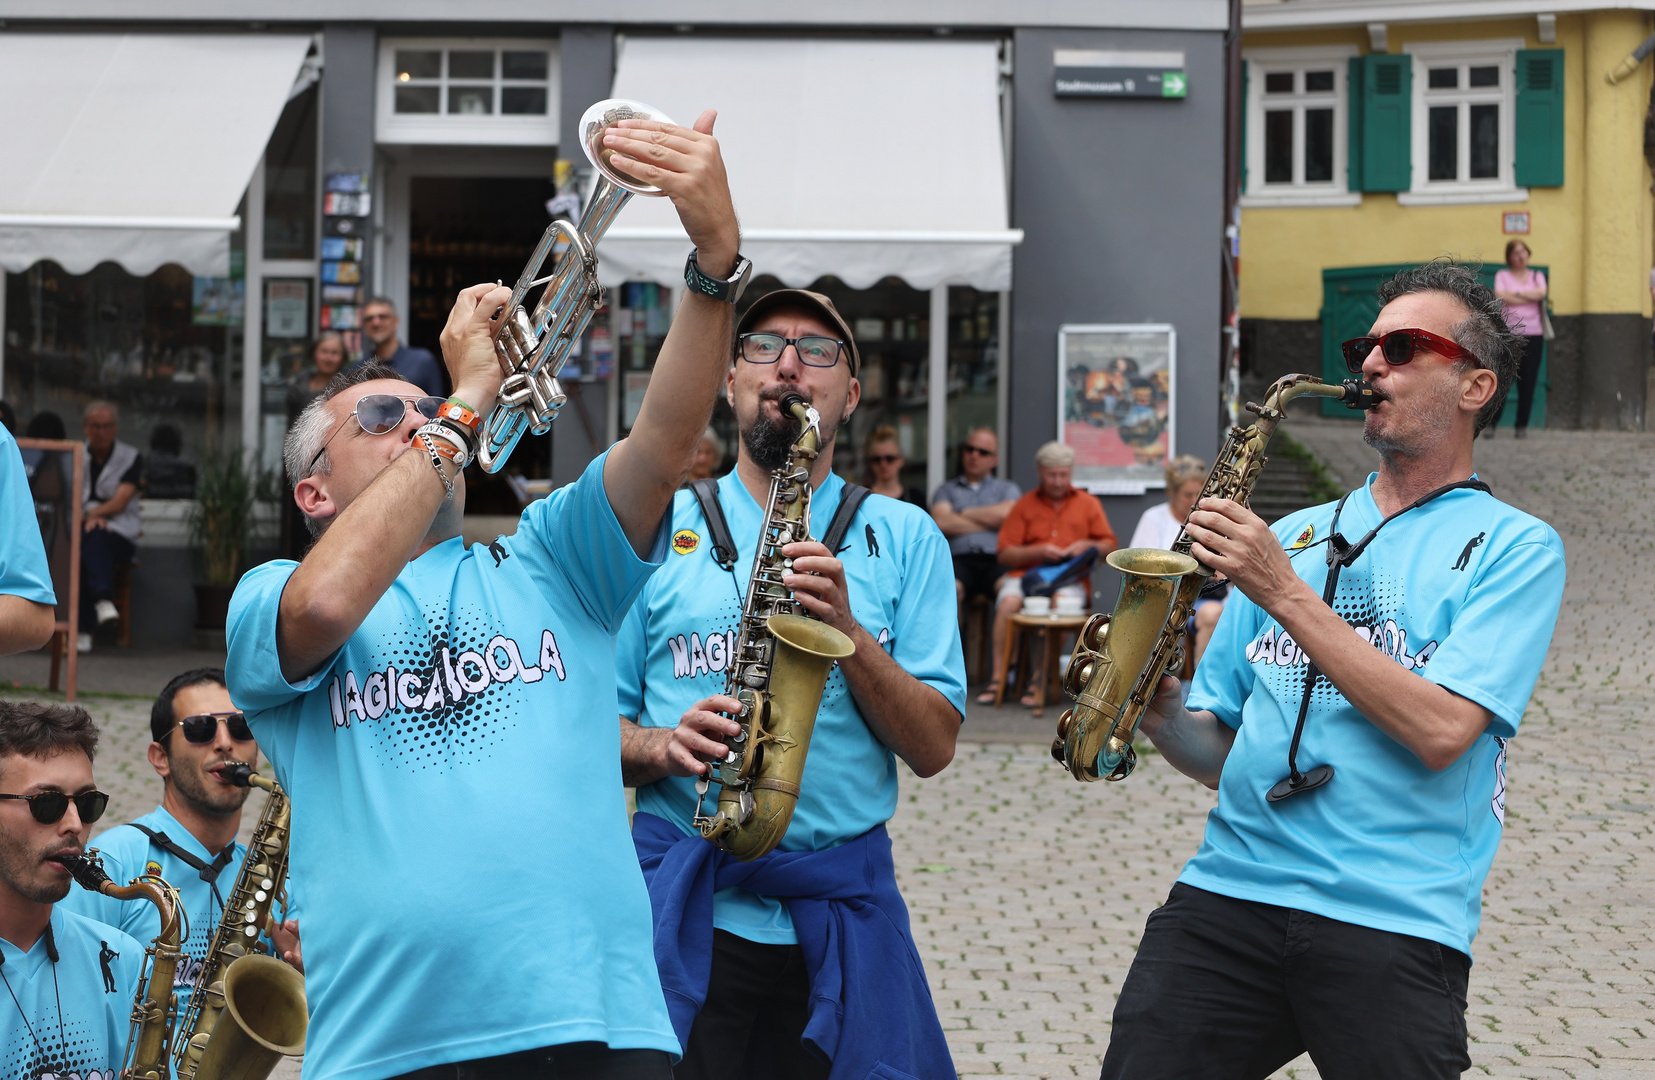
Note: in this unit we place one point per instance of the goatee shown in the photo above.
(768, 441)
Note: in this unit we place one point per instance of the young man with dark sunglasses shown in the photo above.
(742, 945)
(1352, 709)
(190, 839)
(416, 696)
(70, 981)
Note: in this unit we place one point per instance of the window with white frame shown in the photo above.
(1296, 125)
(1463, 117)
(470, 91)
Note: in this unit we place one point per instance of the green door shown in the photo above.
(1350, 303)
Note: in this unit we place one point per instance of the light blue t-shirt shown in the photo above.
(72, 1016)
(459, 824)
(23, 570)
(128, 853)
(1463, 591)
(678, 638)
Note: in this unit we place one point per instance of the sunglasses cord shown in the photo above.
(52, 955)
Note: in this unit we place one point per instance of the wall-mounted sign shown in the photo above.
(287, 309)
(1116, 398)
(1516, 221)
(1118, 73)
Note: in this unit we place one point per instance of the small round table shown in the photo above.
(1053, 629)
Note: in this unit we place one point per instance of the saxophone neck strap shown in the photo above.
(850, 501)
(209, 871)
(1340, 554)
(724, 545)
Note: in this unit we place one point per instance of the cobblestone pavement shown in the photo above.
(1028, 890)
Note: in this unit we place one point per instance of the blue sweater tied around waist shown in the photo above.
(871, 1013)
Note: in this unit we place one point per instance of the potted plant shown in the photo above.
(221, 522)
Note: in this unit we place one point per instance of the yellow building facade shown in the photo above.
(1379, 134)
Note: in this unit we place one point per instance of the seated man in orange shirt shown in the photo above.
(1056, 521)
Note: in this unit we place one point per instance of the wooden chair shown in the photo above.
(123, 603)
(977, 636)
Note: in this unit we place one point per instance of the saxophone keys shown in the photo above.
(267, 884)
(261, 896)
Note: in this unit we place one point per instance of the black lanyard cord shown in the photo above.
(57, 995)
(1340, 554)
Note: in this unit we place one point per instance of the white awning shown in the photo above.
(134, 148)
(857, 158)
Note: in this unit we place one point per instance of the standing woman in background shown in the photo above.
(1523, 292)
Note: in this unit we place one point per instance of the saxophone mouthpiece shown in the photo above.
(789, 402)
(237, 773)
(87, 870)
(1359, 395)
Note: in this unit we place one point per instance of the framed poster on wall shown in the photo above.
(1117, 397)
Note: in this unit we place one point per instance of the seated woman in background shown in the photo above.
(883, 461)
(1159, 527)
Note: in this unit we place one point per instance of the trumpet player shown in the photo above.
(739, 976)
(70, 980)
(415, 696)
(1353, 710)
(189, 841)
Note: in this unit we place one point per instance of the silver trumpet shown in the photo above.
(533, 346)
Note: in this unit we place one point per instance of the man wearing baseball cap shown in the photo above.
(800, 963)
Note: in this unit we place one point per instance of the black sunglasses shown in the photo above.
(814, 350)
(883, 459)
(379, 414)
(203, 728)
(49, 807)
(969, 449)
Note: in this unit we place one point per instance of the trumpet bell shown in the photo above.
(596, 121)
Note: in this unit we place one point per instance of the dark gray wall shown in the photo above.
(1122, 207)
(349, 54)
(586, 57)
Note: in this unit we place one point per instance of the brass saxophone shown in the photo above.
(247, 1009)
(778, 670)
(1119, 658)
(152, 1008)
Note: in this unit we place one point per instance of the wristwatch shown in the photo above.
(728, 290)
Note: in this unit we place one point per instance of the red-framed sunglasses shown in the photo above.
(1399, 347)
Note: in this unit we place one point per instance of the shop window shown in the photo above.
(1295, 126)
(1463, 120)
(468, 91)
(973, 369)
(165, 348)
(290, 211)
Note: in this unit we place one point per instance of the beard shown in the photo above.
(204, 794)
(1416, 427)
(23, 868)
(768, 441)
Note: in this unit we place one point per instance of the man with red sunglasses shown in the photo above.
(67, 982)
(190, 839)
(416, 697)
(1352, 709)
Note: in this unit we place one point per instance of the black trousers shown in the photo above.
(1528, 375)
(1225, 989)
(570, 1061)
(758, 1001)
(978, 571)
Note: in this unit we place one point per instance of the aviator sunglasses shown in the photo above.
(203, 727)
(380, 414)
(1399, 347)
(48, 807)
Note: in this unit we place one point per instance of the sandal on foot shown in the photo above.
(989, 693)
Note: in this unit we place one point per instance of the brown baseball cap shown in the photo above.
(813, 302)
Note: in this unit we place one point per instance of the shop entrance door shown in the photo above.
(463, 231)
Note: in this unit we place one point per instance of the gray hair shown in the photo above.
(711, 436)
(381, 301)
(98, 405)
(1184, 468)
(1483, 333)
(309, 432)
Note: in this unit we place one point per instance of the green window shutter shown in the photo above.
(1539, 151)
(1387, 113)
(1353, 124)
(1244, 125)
